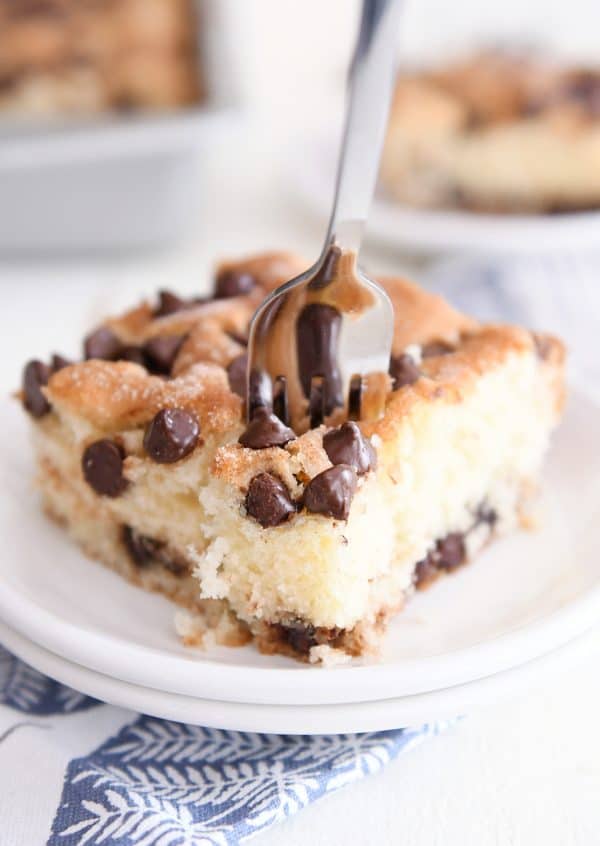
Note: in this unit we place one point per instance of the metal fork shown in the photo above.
(320, 345)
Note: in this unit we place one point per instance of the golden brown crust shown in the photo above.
(119, 396)
(113, 396)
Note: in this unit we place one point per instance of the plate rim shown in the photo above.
(379, 715)
(438, 230)
(195, 675)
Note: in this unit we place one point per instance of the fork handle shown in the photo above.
(370, 89)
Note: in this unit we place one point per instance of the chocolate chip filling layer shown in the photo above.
(102, 465)
(145, 551)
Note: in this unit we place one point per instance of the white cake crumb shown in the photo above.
(327, 656)
(190, 627)
(414, 351)
(212, 586)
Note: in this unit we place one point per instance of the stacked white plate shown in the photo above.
(514, 616)
(429, 231)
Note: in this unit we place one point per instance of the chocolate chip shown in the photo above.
(142, 549)
(35, 375)
(160, 352)
(331, 492)
(233, 283)
(451, 551)
(426, 571)
(347, 445)
(268, 500)
(133, 354)
(436, 348)
(403, 371)
(103, 344)
(237, 375)
(317, 340)
(169, 303)
(265, 430)
(102, 465)
(301, 638)
(172, 434)
(59, 362)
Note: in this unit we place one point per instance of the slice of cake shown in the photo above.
(305, 542)
(496, 132)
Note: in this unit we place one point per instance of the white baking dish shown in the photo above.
(120, 181)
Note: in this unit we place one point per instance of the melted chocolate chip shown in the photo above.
(103, 344)
(347, 445)
(233, 283)
(59, 362)
(268, 500)
(142, 549)
(172, 434)
(265, 430)
(102, 465)
(160, 352)
(35, 375)
(436, 348)
(317, 340)
(451, 551)
(403, 371)
(169, 303)
(237, 375)
(327, 272)
(331, 492)
(301, 638)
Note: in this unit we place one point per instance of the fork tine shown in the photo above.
(355, 397)
(316, 403)
(260, 392)
(280, 400)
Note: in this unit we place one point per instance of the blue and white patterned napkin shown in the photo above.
(557, 293)
(157, 783)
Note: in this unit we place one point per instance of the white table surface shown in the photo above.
(526, 772)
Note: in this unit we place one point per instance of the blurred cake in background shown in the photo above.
(496, 132)
(89, 56)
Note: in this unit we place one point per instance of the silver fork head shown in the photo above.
(319, 346)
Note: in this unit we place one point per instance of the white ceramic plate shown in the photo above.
(525, 596)
(425, 231)
(308, 719)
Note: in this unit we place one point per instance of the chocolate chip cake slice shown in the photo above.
(495, 132)
(305, 541)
